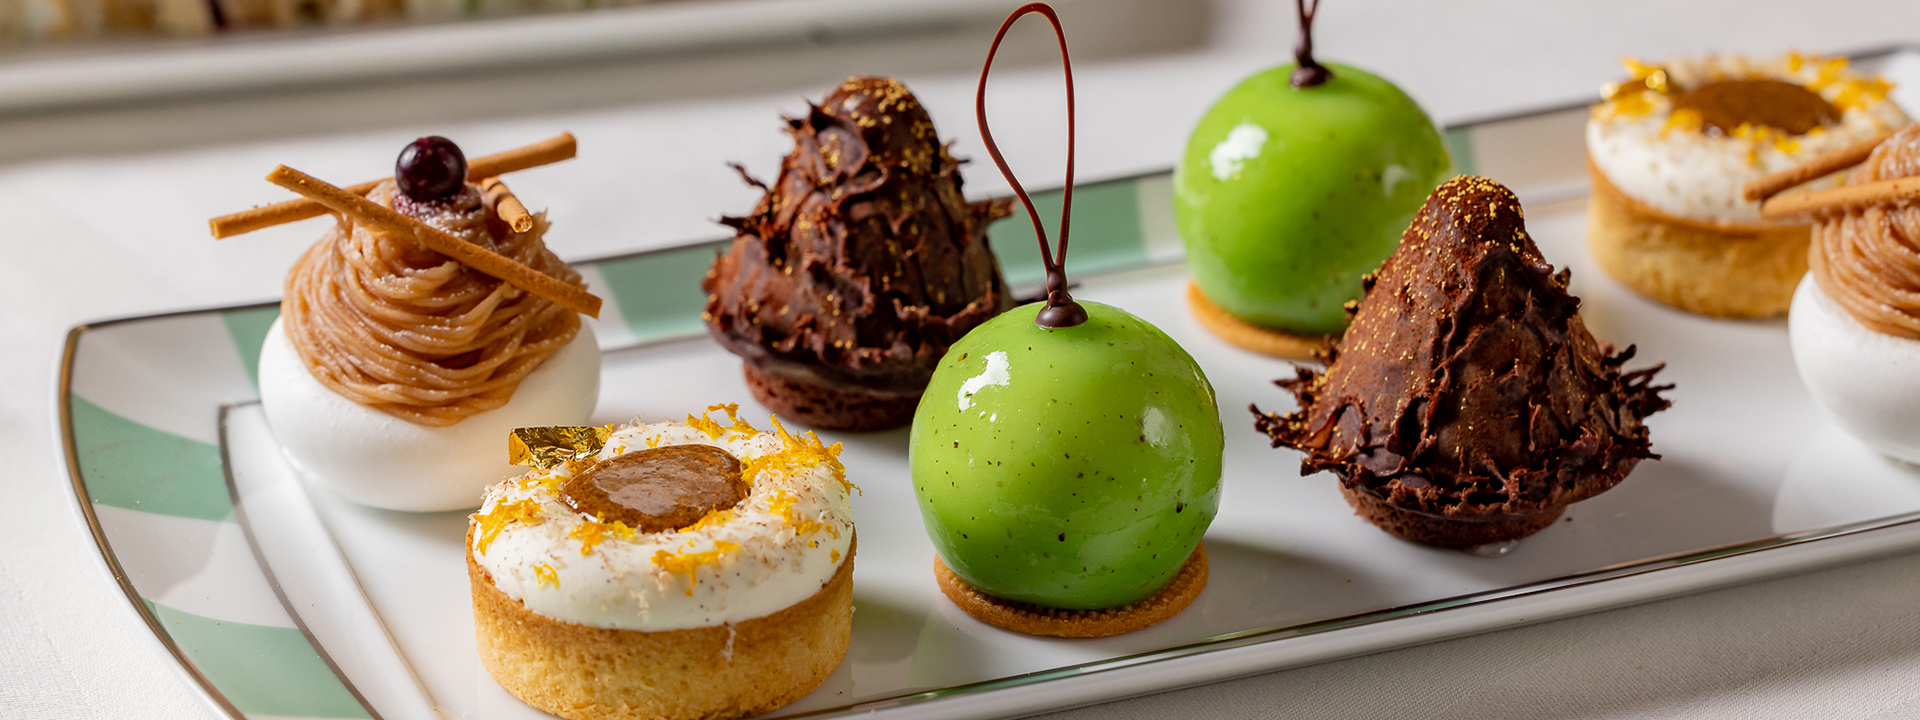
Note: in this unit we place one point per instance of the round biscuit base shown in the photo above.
(1053, 622)
(588, 673)
(1250, 337)
(829, 408)
(1719, 270)
(1442, 532)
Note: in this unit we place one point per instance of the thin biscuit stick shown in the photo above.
(487, 261)
(1840, 199)
(506, 205)
(545, 152)
(1819, 167)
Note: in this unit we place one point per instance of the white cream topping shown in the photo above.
(776, 548)
(1868, 381)
(1692, 174)
(376, 459)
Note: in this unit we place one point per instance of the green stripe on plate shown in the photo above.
(1106, 232)
(129, 465)
(659, 292)
(260, 669)
(249, 330)
(1459, 142)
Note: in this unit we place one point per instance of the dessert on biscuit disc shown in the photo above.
(1670, 149)
(1294, 184)
(1066, 456)
(664, 570)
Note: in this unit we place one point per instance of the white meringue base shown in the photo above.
(1869, 382)
(376, 459)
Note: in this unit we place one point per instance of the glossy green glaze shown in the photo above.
(1287, 196)
(1072, 468)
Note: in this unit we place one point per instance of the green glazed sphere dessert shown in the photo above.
(1288, 195)
(1068, 467)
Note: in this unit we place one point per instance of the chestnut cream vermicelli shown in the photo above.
(387, 323)
(1867, 259)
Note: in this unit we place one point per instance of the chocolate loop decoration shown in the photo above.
(1061, 311)
(1308, 73)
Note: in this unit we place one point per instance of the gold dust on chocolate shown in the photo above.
(658, 489)
(1468, 386)
(1783, 106)
(863, 261)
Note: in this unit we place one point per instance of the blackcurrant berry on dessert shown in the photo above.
(430, 168)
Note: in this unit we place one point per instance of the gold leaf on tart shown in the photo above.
(543, 448)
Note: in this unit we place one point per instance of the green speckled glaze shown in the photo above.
(1287, 196)
(1072, 468)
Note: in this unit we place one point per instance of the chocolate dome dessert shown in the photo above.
(859, 267)
(1467, 403)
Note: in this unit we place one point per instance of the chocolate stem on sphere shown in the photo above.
(1061, 311)
(1308, 73)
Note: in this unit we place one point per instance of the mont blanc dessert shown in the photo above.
(860, 265)
(666, 571)
(425, 325)
(1855, 322)
(1670, 149)
(1468, 404)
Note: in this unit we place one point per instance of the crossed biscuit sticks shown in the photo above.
(319, 198)
(1834, 200)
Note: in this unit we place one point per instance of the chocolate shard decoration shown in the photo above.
(543, 448)
(862, 263)
(1467, 387)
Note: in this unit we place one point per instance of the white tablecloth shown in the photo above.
(105, 207)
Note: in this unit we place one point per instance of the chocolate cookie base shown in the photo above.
(1054, 622)
(829, 408)
(1441, 532)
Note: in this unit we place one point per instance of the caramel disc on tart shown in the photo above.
(658, 489)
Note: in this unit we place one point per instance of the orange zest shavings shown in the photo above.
(525, 511)
(594, 532)
(798, 453)
(712, 518)
(1762, 136)
(706, 424)
(1831, 71)
(551, 481)
(1684, 120)
(1634, 98)
(546, 575)
(1859, 92)
(685, 563)
(782, 505)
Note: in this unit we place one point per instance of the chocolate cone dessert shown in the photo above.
(1467, 404)
(859, 267)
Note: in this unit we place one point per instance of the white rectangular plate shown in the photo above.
(280, 599)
